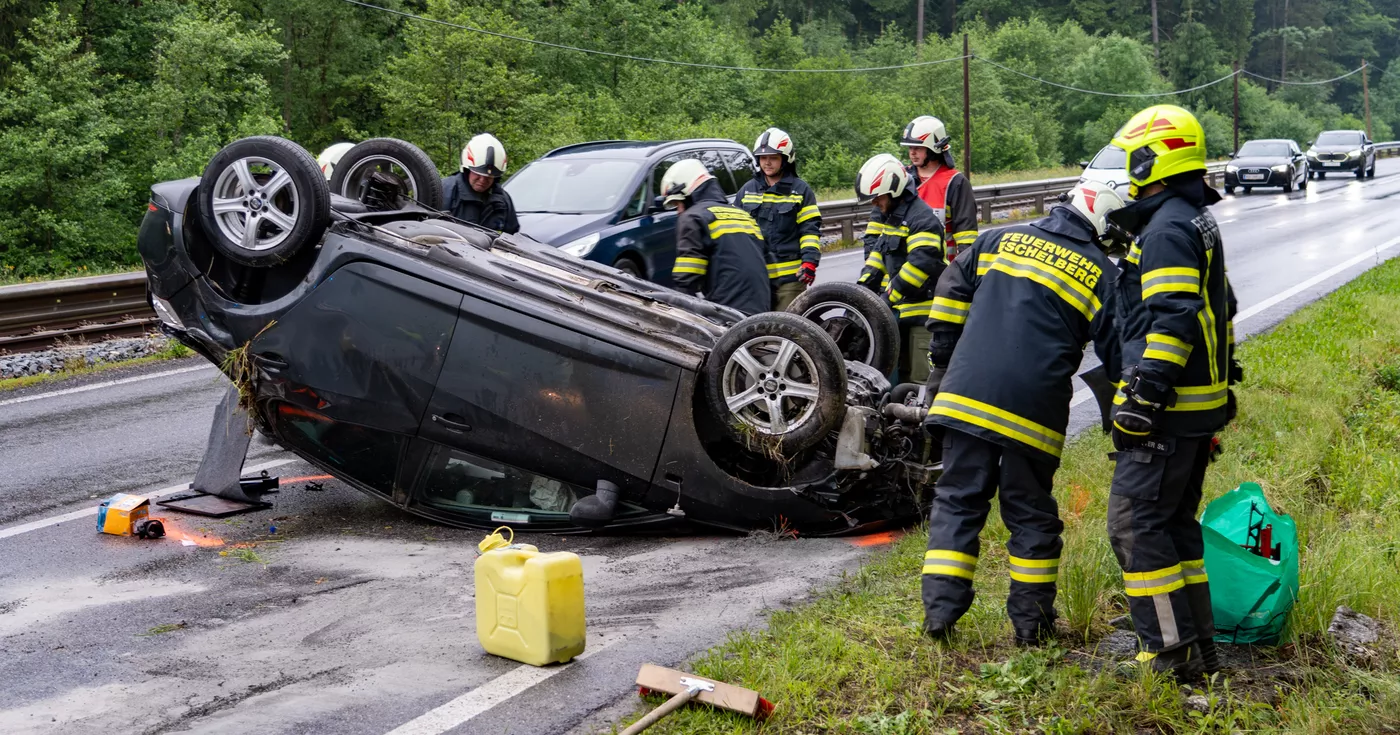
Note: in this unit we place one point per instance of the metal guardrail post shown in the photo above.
(986, 210)
(848, 229)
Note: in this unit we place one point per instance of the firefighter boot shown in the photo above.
(1183, 663)
(938, 630)
(1035, 637)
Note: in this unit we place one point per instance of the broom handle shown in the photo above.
(654, 716)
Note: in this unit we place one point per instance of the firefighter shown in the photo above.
(786, 210)
(474, 194)
(1019, 307)
(903, 256)
(1175, 312)
(939, 183)
(719, 248)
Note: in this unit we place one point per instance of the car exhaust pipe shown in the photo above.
(596, 510)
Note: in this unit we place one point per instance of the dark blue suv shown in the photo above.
(601, 201)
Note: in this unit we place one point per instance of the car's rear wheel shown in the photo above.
(262, 200)
(776, 383)
(405, 161)
(862, 326)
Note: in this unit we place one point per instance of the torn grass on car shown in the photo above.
(1319, 429)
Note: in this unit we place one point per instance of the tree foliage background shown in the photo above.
(101, 98)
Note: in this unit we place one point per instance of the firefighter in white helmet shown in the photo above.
(331, 156)
(474, 194)
(1018, 307)
(939, 182)
(903, 256)
(719, 247)
(786, 210)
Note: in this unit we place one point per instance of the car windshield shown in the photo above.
(572, 185)
(1261, 149)
(1342, 138)
(1110, 157)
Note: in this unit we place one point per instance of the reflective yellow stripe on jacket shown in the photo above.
(768, 198)
(1190, 397)
(966, 237)
(695, 266)
(998, 420)
(811, 241)
(1167, 347)
(786, 268)
(1166, 280)
(808, 212)
(720, 228)
(1076, 294)
(950, 310)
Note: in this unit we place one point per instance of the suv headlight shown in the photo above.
(1354, 154)
(1231, 167)
(581, 247)
(1281, 168)
(1312, 154)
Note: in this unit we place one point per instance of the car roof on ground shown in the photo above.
(637, 148)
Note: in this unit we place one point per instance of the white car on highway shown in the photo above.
(1109, 166)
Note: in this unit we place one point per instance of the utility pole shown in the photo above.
(1366, 95)
(1283, 45)
(919, 36)
(952, 17)
(1237, 105)
(1156, 47)
(967, 115)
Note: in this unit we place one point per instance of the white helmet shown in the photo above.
(331, 156)
(882, 174)
(774, 142)
(682, 179)
(926, 131)
(1094, 200)
(484, 156)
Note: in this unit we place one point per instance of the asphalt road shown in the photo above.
(352, 617)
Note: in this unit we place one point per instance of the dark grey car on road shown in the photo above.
(1342, 150)
(1276, 162)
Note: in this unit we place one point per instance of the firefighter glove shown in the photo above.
(807, 274)
(1133, 423)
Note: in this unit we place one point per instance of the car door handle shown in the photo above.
(451, 422)
(270, 360)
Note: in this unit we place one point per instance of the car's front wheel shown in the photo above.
(860, 323)
(399, 161)
(630, 266)
(776, 383)
(262, 200)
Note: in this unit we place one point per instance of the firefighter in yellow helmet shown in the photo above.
(1177, 343)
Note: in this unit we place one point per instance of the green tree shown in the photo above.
(57, 182)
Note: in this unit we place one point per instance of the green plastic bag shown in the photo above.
(1250, 595)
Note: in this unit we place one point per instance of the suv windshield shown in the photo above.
(1110, 157)
(1339, 138)
(1263, 150)
(572, 185)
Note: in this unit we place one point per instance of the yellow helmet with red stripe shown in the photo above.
(1162, 141)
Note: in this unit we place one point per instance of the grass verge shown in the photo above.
(173, 351)
(1319, 429)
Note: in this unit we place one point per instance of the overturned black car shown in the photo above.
(481, 379)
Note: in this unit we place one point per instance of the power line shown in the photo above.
(1321, 81)
(672, 62)
(1104, 94)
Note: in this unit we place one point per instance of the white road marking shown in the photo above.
(107, 384)
(92, 510)
(488, 695)
(1084, 394)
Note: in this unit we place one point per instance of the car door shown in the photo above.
(539, 400)
(740, 165)
(352, 367)
(658, 225)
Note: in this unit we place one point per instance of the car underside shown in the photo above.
(482, 379)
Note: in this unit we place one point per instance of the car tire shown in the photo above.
(1288, 186)
(752, 375)
(244, 183)
(399, 157)
(1371, 172)
(629, 266)
(862, 326)
(1303, 185)
(1321, 175)
(1229, 190)
(1247, 189)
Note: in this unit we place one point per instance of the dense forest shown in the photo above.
(99, 98)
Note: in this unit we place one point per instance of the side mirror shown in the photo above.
(1232, 154)
(1084, 164)
(658, 204)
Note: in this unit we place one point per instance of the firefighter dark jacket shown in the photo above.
(1019, 306)
(904, 256)
(949, 194)
(719, 252)
(791, 223)
(1176, 308)
(493, 210)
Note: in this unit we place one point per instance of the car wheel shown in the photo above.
(1288, 186)
(1371, 172)
(1229, 190)
(1303, 185)
(262, 200)
(862, 326)
(400, 158)
(1247, 189)
(1360, 172)
(776, 383)
(630, 266)
(1321, 174)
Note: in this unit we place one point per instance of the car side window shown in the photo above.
(715, 163)
(638, 205)
(740, 164)
(659, 171)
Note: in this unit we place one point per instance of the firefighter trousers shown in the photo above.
(974, 471)
(1155, 535)
(913, 354)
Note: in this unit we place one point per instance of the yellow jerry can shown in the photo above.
(122, 514)
(529, 606)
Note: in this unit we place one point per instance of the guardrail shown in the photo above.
(37, 315)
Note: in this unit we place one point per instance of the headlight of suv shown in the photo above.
(1354, 154)
(1282, 168)
(1231, 167)
(1312, 155)
(581, 247)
